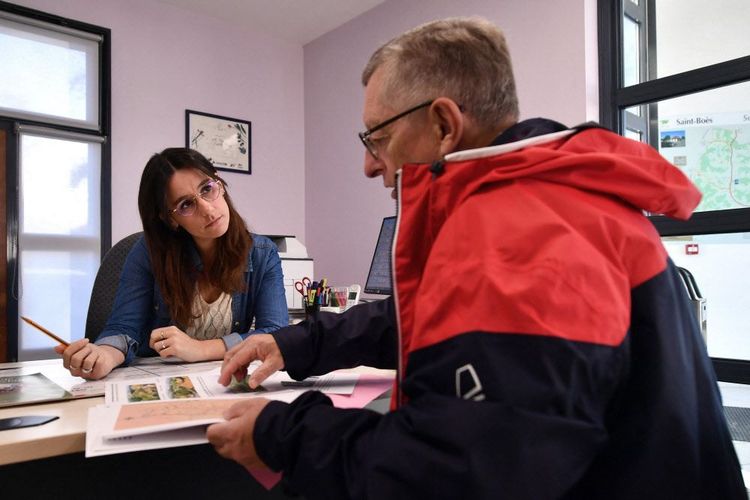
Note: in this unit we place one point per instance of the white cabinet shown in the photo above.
(295, 264)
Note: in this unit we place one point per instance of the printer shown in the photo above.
(295, 264)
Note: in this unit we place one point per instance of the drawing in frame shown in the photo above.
(224, 141)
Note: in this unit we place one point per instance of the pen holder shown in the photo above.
(311, 310)
(339, 295)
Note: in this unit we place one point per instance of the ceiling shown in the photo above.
(299, 21)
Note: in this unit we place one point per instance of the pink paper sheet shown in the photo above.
(368, 388)
(266, 477)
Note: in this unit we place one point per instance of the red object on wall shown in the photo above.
(691, 249)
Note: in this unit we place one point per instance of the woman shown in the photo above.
(193, 282)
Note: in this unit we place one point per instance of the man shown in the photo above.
(543, 341)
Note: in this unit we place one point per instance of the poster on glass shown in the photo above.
(224, 141)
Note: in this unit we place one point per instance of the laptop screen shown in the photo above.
(379, 277)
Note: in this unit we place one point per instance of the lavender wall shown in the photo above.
(305, 104)
(166, 59)
(343, 207)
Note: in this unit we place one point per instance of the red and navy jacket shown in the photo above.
(544, 344)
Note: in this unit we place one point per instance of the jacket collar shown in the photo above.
(532, 127)
(521, 135)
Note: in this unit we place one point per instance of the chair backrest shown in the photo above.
(105, 285)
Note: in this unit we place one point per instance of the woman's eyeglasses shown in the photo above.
(209, 191)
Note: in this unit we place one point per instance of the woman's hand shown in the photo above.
(171, 341)
(89, 361)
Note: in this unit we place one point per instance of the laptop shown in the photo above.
(379, 280)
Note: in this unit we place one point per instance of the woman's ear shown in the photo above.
(450, 122)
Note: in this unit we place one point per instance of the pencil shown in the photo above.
(45, 331)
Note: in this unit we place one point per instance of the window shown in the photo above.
(58, 69)
(676, 74)
(54, 108)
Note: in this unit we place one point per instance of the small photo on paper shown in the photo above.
(673, 139)
(143, 392)
(9, 388)
(242, 387)
(181, 388)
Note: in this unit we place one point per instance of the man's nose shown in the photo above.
(373, 167)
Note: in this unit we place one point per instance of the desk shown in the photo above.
(48, 460)
(62, 436)
(65, 435)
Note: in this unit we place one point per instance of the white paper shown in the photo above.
(167, 423)
(202, 382)
(101, 419)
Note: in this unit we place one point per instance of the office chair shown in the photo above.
(105, 285)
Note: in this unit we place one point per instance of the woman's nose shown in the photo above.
(204, 206)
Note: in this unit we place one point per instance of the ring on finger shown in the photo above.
(162, 335)
(87, 370)
(75, 367)
(163, 346)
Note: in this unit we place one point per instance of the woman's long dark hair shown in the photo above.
(169, 248)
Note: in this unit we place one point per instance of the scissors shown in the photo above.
(303, 285)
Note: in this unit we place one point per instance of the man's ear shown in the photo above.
(450, 123)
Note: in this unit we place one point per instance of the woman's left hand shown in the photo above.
(171, 341)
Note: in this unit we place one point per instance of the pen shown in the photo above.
(45, 331)
(297, 383)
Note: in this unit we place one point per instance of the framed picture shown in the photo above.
(224, 141)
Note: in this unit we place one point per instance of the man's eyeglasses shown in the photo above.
(209, 191)
(365, 136)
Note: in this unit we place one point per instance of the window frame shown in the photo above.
(613, 98)
(11, 124)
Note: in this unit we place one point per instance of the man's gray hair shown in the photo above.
(463, 58)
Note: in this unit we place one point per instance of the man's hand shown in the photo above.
(89, 361)
(234, 438)
(260, 346)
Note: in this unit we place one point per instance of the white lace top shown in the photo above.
(214, 320)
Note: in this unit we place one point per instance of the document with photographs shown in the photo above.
(173, 410)
(54, 374)
(204, 384)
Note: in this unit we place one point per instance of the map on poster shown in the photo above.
(713, 149)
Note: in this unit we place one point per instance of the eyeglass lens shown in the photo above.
(365, 136)
(208, 191)
(370, 145)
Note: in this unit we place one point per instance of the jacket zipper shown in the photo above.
(399, 370)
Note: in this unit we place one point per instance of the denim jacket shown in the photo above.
(139, 307)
